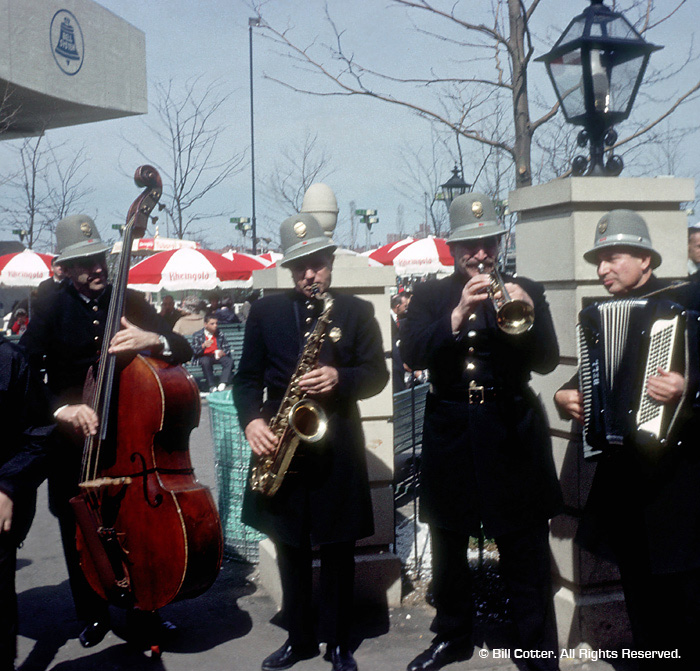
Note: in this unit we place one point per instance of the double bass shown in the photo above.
(148, 532)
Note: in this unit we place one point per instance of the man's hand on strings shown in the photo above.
(665, 386)
(81, 418)
(132, 339)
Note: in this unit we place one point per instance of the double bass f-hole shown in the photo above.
(144, 475)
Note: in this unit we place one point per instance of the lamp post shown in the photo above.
(243, 225)
(453, 187)
(253, 22)
(368, 217)
(596, 68)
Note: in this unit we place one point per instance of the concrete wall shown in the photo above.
(105, 79)
(556, 226)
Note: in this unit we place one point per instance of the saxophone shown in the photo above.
(298, 418)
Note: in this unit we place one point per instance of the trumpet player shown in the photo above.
(324, 498)
(487, 458)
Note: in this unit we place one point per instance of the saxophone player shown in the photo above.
(324, 499)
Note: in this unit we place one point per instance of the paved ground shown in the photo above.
(227, 629)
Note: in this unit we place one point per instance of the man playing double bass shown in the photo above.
(643, 510)
(65, 339)
(324, 500)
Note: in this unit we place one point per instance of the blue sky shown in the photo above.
(209, 39)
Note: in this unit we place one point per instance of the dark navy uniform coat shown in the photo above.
(26, 426)
(652, 499)
(489, 462)
(326, 498)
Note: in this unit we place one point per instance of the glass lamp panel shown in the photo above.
(623, 78)
(566, 75)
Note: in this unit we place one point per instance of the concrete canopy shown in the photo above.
(67, 63)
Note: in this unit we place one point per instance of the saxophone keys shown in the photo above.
(335, 334)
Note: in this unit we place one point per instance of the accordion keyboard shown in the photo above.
(662, 336)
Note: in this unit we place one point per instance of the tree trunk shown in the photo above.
(521, 111)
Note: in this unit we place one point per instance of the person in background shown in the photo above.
(226, 314)
(168, 312)
(398, 304)
(210, 347)
(20, 323)
(193, 318)
(693, 249)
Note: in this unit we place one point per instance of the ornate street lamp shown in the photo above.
(453, 187)
(596, 68)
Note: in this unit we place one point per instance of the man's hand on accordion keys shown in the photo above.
(666, 386)
(570, 402)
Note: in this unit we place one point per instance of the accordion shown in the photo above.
(621, 343)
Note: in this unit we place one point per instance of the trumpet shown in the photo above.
(513, 316)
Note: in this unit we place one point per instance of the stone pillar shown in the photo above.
(378, 570)
(556, 225)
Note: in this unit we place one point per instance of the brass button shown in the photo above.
(471, 350)
(472, 317)
(97, 338)
(470, 366)
(471, 334)
(96, 322)
(308, 320)
(95, 308)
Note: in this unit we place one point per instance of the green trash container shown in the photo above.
(232, 457)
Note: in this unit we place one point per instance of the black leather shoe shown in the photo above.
(93, 633)
(441, 653)
(287, 656)
(342, 659)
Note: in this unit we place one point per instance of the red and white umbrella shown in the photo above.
(24, 269)
(271, 257)
(416, 257)
(183, 269)
(262, 260)
(158, 244)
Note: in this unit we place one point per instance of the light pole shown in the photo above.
(243, 225)
(368, 217)
(253, 22)
(596, 68)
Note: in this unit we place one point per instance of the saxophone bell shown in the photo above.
(308, 420)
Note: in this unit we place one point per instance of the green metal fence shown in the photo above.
(232, 456)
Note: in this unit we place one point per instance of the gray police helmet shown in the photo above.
(622, 228)
(301, 235)
(77, 237)
(473, 217)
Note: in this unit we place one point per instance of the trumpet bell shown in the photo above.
(515, 317)
(308, 420)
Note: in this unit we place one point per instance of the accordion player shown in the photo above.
(621, 343)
